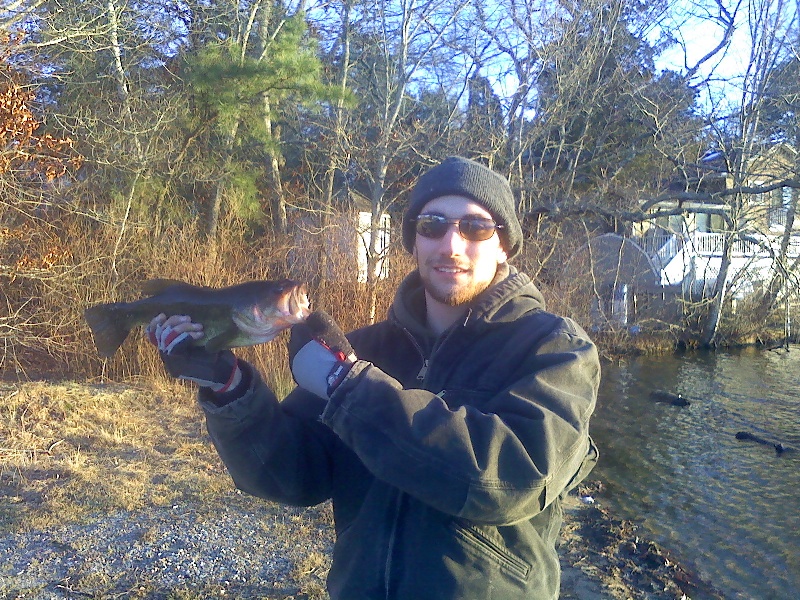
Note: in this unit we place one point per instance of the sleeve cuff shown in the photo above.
(339, 394)
(222, 399)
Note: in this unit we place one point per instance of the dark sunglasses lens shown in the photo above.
(432, 226)
(476, 230)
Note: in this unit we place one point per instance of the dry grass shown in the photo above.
(51, 271)
(88, 454)
(70, 451)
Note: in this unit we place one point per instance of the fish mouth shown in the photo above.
(297, 305)
(262, 323)
(292, 306)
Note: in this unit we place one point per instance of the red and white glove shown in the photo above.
(174, 337)
(319, 354)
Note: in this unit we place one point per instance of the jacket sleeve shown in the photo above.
(274, 450)
(498, 465)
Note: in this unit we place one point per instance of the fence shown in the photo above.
(665, 246)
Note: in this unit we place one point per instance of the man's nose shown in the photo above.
(452, 238)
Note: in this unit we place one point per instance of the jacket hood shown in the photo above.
(510, 295)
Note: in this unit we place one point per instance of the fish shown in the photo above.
(245, 314)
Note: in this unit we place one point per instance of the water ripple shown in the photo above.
(728, 507)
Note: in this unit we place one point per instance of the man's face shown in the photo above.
(455, 270)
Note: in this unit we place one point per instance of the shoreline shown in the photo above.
(604, 557)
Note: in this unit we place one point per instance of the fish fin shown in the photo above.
(221, 341)
(108, 332)
(151, 287)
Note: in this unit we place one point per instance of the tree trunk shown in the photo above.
(711, 326)
(127, 125)
(781, 276)
(277, 202)
(216, 204)
(378, 190)
(338, 133)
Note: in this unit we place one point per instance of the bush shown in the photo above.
(55, 267)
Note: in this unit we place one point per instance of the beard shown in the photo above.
(452, 295)
(455, 296)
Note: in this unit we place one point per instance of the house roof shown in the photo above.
(711, 174)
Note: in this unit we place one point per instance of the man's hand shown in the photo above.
(173, 336)
(319, 354)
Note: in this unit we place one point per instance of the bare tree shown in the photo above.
(741, 134)
(392, 48)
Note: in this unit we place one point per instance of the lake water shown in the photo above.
(730, 509)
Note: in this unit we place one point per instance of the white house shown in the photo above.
(681, 254)
(347, 242)
(687, 249)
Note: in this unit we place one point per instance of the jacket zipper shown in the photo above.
(425, 362)
(421, 378)
(423, 371)
(387, 575)
(439, 344)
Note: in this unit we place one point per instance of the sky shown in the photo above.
(701, 35)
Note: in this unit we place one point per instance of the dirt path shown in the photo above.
(250, 549)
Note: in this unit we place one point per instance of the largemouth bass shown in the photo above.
(240, 315)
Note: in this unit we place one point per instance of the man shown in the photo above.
(446, 435)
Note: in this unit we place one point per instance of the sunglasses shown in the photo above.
(471, 228)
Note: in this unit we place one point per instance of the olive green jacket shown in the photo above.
(445, 459)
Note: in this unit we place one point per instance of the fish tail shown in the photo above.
(109, 331)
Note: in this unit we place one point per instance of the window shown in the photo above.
(671, 223)
(703, 222)
(717, 224)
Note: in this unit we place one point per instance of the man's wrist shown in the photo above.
(240, 383)
(338, 375)
(234, 379)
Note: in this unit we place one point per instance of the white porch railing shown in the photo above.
(712, 244)
(661, 248)
(776, 217)
(664, 247)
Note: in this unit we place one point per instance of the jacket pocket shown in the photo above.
(480, 547)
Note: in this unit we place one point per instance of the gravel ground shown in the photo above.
(243, 547)
(249, 549)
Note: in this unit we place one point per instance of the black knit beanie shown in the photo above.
(460, 176)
